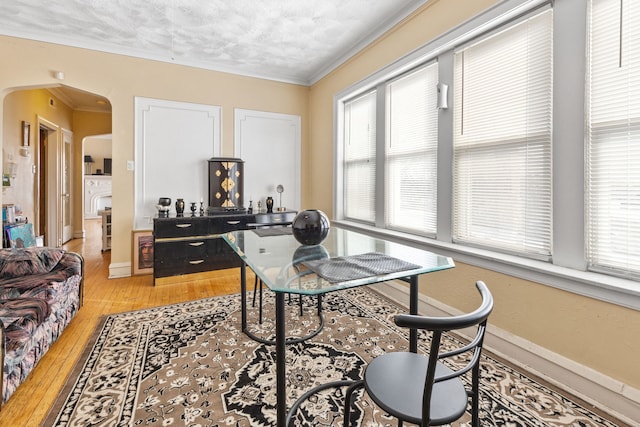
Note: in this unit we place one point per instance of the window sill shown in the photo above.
(611, 289)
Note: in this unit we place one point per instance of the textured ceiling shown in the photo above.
(295, 41)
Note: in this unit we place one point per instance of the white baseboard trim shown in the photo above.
(121, 269)
(603, 392)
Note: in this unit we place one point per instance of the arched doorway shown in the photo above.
(47, 182)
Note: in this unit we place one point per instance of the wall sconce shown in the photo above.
(87, 164)
(26, 141)
(443, 91)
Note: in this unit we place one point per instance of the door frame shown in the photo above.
(52, 180)
(66, 175)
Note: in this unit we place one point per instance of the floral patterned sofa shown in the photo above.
(41, 289)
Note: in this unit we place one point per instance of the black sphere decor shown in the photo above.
(310, 227)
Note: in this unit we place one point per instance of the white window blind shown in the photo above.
(411, 151)
(359, 168)
(613, 146)
(502, 139)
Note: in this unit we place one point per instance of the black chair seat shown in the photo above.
(395, 382)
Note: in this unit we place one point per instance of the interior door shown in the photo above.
(66, 217)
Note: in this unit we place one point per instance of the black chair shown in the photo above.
(420, 389)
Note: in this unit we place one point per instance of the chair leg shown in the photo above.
(475, 396)
(347, 400)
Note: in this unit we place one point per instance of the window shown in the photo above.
(411, 151)
(533, 170)
(502, 140)
(613, 146)
(360, 158)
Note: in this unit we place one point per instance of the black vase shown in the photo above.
(269, 204)
(310, 227)
(179, 207)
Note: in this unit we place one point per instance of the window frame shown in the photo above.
(568, 268)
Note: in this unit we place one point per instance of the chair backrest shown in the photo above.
(439, 325)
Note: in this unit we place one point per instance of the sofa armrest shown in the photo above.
(75, 262)
(28, 261)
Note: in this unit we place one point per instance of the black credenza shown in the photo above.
(185, 245)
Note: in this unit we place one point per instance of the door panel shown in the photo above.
(269, 143)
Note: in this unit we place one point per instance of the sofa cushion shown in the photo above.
(20, 319)
(28, 261)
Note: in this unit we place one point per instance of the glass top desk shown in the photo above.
(276, 257)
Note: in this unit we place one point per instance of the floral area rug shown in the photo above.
(190, 364)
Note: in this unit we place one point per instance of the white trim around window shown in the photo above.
(568, 268)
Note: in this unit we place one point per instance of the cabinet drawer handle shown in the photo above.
(183, 225)
(196, 262)
(233, 222)
(196, 243)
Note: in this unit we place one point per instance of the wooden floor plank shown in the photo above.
(31, 402)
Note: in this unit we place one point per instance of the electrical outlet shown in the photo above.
(131, 165)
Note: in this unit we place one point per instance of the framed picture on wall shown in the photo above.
(142, 260)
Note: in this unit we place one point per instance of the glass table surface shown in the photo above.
(278, 258)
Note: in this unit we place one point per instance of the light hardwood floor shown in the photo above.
(31, 402)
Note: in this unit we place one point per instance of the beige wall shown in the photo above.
(120, 79)
(430, 21)
(27, 105)
(590, 332)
